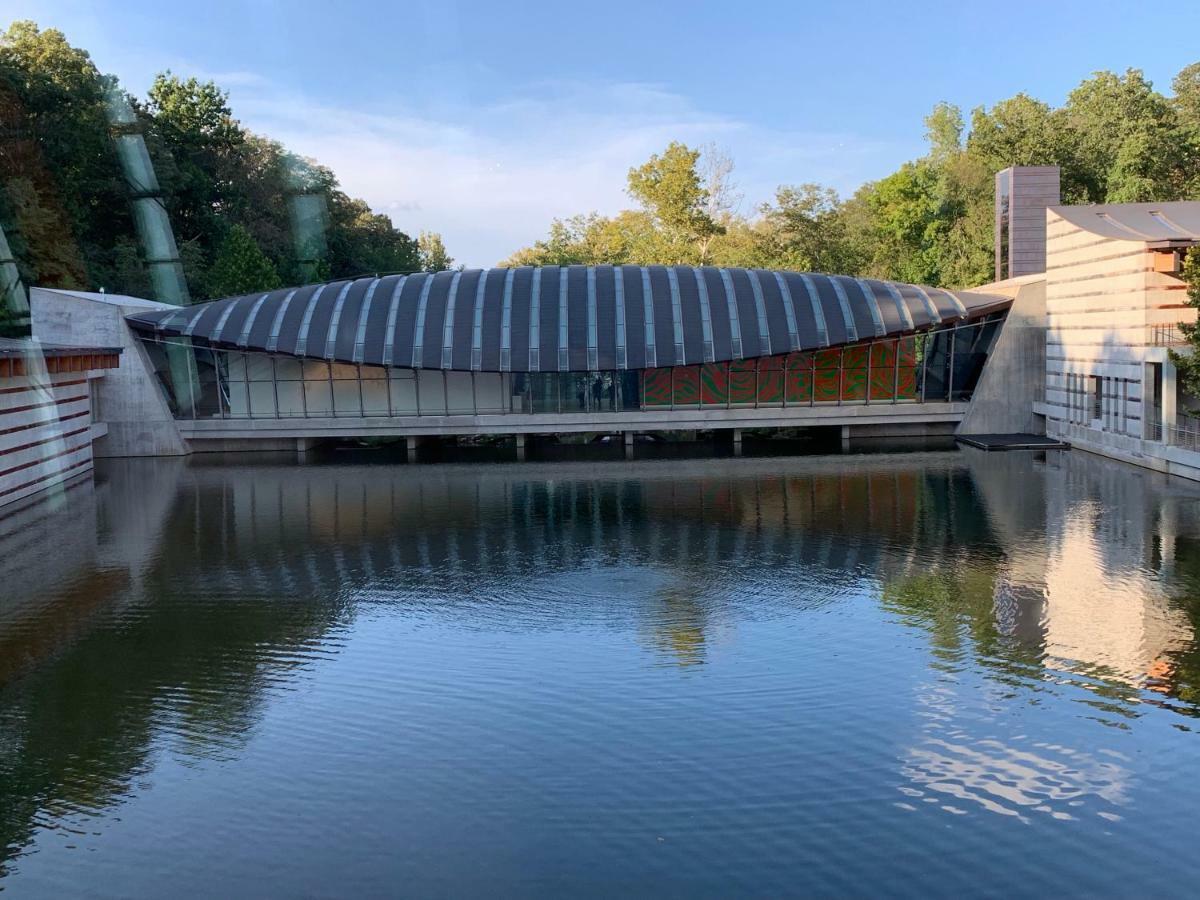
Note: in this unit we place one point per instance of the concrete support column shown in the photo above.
(845, 438)
(520, 441)
(737, 441)
(303, 446)
(410, 448)
(627, 439)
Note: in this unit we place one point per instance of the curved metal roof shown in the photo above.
(569, 318)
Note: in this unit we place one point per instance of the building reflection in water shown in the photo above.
(182, 595)
(1093, 600)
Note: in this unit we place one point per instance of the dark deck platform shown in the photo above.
(1012, 442)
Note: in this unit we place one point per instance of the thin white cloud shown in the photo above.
(491, 179)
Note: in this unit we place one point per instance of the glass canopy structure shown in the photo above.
(569, 339)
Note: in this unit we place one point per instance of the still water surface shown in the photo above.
(932, 674)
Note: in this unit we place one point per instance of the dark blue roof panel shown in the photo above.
(498, 323)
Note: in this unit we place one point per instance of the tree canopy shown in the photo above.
(234, 198)
(241, 266)
(1116, 139)
(67, 210)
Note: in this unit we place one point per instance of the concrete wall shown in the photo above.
(46, 431)
(129, 400)
(1015, 375)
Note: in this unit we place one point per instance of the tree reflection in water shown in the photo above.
(191, 593)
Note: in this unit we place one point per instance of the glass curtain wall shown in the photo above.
(937, 366)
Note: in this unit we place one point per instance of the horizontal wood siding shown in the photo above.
(45, 431)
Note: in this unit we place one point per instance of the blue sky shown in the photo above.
(485, 120)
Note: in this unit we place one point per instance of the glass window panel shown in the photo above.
(576, 390)
(854, 373)
(208, 400)
(490, 390)
(971, 347)
(631, 390)
(543, 392)
(317, 393)
(460, 398)
(258, 367)
(657, 384)
(883, 370)
(936, 369)
(374, 391)
(517, 391)
(235, 367)
(431, 391)
(262, 399)
(908, 375)
(743, 382)
(403, 383)
(291, 399)
(770, 381)
(798, 383)
(234, 377)
(346, 399)
(287, 369)
(157, 353)
(604, 391)
(687, 386)
(714, 384)
(827, 376)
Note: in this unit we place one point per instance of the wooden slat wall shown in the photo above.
(45, 430)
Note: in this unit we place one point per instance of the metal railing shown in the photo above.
(1168, 335)
(1185, 433)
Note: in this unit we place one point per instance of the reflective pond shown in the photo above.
(936, 674)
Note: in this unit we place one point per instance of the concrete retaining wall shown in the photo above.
(1015, 375)
(129, 400)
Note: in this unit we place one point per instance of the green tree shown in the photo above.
(1188, 364)
(671, 190)
(944, 131)
(805, 230)
(433, 255)
(906, 223)
(196, 149)
(1186, 89)
(241, 267)
(362, 242)
(630, 237)
(1126, 139)
(68, 204)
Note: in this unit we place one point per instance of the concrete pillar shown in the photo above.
(520, 440)
(845, 438)
(410, 448)
(303, 446)
(628, 441)
(737, 441)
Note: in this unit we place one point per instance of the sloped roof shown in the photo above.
(571, 318)
(1150, 222)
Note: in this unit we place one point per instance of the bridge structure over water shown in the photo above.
(539, 350)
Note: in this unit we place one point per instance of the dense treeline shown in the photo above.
(66, 206)
(1116, 138)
